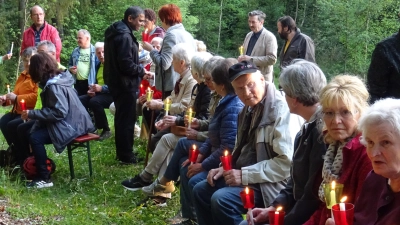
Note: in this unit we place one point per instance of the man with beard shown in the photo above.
(260, 45)
(297, 45)
(122, 74)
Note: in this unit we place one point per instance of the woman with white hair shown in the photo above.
(379, 201)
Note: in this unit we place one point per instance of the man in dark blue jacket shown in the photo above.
(122, 74)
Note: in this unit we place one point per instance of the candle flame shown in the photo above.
(141, 85)
(279, 208)
(148, 89)
(247, 190)
(145, 30)
(333, 185)
(343, 199)
(190, 109)
(22, 101)
(194, 147)
(8, 85)
(226, 153)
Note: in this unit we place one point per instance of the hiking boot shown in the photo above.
(104, 135)
(39, 184)
(156, 188)
(135, 183)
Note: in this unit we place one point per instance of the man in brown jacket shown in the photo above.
(260, 45)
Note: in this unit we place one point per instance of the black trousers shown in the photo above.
(124, 122)
(97, 104)
(81, 86)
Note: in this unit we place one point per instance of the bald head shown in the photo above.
(37, 16)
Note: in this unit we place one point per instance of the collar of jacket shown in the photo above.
(185, 77)
(175, 27)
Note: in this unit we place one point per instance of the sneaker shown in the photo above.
(39, 184)
(135, 183)
(156, 188)
(104, 135)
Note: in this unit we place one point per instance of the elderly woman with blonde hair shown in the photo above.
(379, 201)
(343, 102)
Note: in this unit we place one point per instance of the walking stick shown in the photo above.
(149, 138)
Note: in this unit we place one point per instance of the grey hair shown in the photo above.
(158, 39)
(382, 111)
(183, 51)
(261, 16)
(201, 47)
(198, 61)
(28, 52)
(303, 80)
(49, 45)
(99, 45)
(85, 32)
(209, 66)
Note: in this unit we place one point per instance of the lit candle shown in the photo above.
(332, 195)
(277, 217)
(194, 153)
(141, 92)
(241, 50)
(23, 106)
(342, 207)
(149, 96)
(167, 106)
(8, 88)
(226, 160)
(247, 197)
(145, 36)
(190, 117)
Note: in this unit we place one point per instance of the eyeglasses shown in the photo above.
(208, 79)
(344, 114)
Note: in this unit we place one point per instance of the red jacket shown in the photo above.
(49, 33)
(355, 168)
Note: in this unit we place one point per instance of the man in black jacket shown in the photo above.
(384, 71)
(122, 74)
(297, 45)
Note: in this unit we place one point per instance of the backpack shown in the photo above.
(29, 167)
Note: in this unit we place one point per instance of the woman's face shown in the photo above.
(383, 149)
(209, 81)
(219, 88)
(340, 121)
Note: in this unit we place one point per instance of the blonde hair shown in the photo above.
(350, 89)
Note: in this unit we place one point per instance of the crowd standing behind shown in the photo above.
(342, 138)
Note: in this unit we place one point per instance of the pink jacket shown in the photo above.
(49, 33)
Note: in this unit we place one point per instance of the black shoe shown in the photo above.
(135, 183)
(104, 135)
(130, 161)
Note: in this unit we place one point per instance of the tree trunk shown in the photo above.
(219, 29)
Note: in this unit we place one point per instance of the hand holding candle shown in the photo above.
(193, 154)
(167, 106)
(247, 197)
(276, 217)
(226, 160)
(149, 95)
(22, 104)
(241, 50)
(145, 36)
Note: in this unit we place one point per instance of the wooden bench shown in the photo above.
(83, 142)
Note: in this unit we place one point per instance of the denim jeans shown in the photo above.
(220, 204)
(38, 139)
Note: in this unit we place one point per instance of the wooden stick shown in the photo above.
(149, 138)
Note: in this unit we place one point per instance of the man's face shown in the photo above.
(100, 54)
(136, 23)
(282, 31)
(37, 16)
(254, 24)
(156, 45)
(43, 48)
(82, 40)
(250, 88)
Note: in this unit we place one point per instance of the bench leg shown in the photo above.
(89, 157)
(71, 163)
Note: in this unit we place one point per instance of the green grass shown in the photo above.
(99, 199)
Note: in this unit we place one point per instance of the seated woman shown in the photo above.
(221, 136)
(343, 102)
(164, 149)
(302, 82)
(379, 200)
(61, 119)
(25, 89)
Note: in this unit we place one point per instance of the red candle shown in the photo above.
(226, 160)
(22, 104)
(276, 217)
(145, 36)
(193, 154)
(141, 92)
(247, 196)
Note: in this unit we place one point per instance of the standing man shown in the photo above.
(297, 45)
(39, 31)
(83, 63)
(122, 74)
(260, 45)
(384, 71)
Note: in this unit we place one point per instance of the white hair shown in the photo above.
(183, 51)
(85, 32)
(99, 45)
(198, 61)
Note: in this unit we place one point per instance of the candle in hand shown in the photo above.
(8, 88)
(12, 46)
(332, 195)
(342, 208)
(277, 219)
(149, 96)
(241, 50)
(145, 36)
(194, 153)
(22, 104)
(190, 116)
(167, 106)
(226, 160)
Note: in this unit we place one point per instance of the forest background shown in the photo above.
(344, 31)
